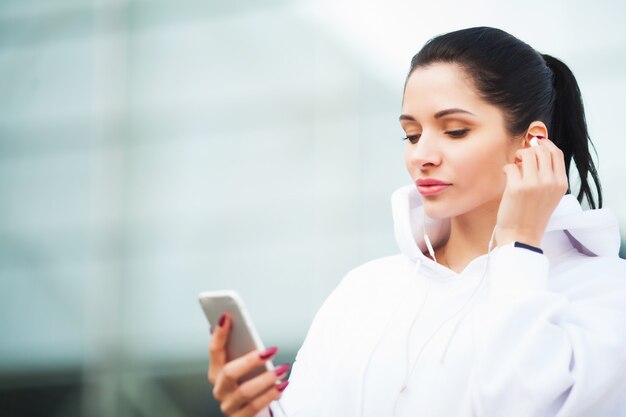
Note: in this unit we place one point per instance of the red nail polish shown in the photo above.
(281, 370)
(222, 320)
(540, 137)
(269, 353)
(281, 387)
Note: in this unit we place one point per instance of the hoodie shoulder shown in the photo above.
(380, 271)
(581, 276)
(375, 283)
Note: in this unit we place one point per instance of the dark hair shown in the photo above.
(526, 85)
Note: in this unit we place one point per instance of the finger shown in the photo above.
(529, 164)
(217, 347)
(544, 162)
(235, 369)
(513, 174)
(558, 164)
(262, 401)
(251, 389)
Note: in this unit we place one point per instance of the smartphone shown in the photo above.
(243, 336)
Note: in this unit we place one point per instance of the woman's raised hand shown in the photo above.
(250, 397)
(535, 185)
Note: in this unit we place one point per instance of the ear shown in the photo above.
(536, 128)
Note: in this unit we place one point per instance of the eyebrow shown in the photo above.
(439, 114)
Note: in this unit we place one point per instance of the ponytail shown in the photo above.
(569, 129)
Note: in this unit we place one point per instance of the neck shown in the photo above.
(469, 236)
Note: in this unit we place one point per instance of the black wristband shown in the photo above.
(529, 247)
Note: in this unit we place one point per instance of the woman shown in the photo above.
(507, 298)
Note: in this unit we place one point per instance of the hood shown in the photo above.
(593, 232)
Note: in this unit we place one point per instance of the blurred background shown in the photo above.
(151, 150)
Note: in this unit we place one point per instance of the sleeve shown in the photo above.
(546, 353)
(266, 412)
(303, 395)
(301, 398)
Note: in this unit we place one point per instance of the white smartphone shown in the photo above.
(243, 336)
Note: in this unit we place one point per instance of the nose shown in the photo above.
(425, 153)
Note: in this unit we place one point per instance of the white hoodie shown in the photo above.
(516, 333)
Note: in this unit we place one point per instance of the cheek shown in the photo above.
(407, 160)
(481, 168)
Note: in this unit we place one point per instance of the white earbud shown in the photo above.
(534, 141)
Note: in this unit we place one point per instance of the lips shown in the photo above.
(430, 181)
(431, 186)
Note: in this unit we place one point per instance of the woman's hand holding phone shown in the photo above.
(252, 396)
(535, 185)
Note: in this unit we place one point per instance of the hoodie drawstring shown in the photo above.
(411, 367)
(476, 290)
(456, 327)
(380, 339)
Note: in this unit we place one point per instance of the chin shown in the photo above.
(438, 211)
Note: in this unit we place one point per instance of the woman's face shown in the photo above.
(454, 137)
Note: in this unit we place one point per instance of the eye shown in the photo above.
(458, 133)
(412, 138)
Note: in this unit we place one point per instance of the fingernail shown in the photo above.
(222, 320)
(269, 352)
(540, 137)
(281, 387)
(281, 370)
